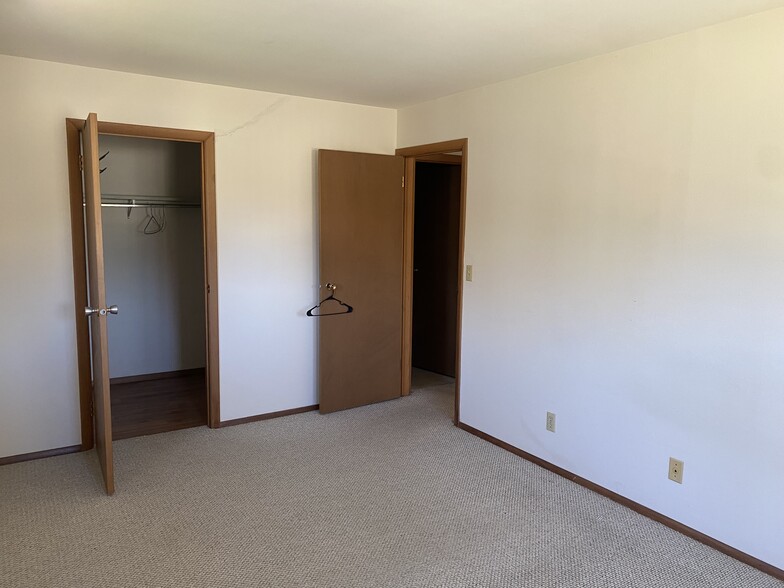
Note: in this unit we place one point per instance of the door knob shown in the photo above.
(113, 309)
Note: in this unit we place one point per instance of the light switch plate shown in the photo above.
(469, 273)
(551, 422)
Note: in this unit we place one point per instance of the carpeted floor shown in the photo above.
(382, 496)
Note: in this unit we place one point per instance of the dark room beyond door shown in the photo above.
(436, 266)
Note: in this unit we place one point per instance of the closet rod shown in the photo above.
(115, 202)
(145, 200)
(151, 205)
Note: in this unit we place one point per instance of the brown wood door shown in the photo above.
(97, 293)
(436, 267)
(360, 252)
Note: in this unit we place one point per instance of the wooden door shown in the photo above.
(361, 253)
(436, 267)
(97, 312)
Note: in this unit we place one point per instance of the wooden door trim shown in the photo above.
(445, 152)
(408, 273)
(73, 128)
(147, 132)
(445, 147)
(444, 158)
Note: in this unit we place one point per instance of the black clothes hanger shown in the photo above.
(331, 288)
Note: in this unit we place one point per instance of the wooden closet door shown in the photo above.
(98, 312)
(360, 252)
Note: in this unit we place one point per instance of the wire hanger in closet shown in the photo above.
(155, 223)
(331, 288)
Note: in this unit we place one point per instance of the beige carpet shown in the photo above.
(382, 496)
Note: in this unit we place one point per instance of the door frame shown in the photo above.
(433, 152)
(73, 128)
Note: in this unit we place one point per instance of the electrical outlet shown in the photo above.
(551, 422)
(469, 273)
(676, 470)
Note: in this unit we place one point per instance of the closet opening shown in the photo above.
(154, 271)
(159, 266)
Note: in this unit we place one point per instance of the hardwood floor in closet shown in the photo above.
(167, 403)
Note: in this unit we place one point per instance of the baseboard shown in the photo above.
(268, 415)
(750, 560)
(156, 376)
(39, 454)
(75, 448)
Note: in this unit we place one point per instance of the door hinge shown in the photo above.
(208, 288)
(403, 182)
(81, 163)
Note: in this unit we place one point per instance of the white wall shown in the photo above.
(626, 227)
(266, 233)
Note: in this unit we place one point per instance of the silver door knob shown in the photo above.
(113, 309)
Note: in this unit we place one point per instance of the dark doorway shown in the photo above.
(436, 266)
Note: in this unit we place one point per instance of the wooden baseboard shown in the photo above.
(635, 506)
(269, 415)
(39, 454)
(157, 376)
(75, 448)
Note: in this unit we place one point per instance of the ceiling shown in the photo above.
(390, 53)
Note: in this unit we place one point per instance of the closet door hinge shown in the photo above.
(81, 163)
(403, 182)
(208, 288)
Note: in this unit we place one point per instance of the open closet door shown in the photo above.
(97, 311)
(361, 254)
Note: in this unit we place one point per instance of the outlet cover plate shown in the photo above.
(676, 470)
(551, 422)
